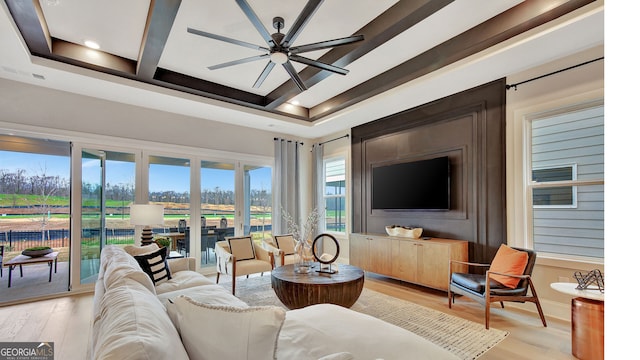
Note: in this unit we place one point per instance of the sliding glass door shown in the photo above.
(217, 206)
(257, 202)
(108, 187)
(34, 212)
(169, 185)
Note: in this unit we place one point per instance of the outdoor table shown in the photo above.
(51, 259)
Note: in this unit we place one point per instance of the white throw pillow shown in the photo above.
(226, 332)
(135, 250)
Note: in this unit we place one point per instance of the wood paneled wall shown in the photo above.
(469, 128)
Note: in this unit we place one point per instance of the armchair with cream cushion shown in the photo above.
(239, 256)
(283, 248)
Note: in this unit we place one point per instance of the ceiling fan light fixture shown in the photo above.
(279, 57)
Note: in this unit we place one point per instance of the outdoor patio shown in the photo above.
(34, 283)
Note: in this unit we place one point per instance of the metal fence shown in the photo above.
(18, 240)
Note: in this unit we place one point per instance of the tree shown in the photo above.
(45, 186)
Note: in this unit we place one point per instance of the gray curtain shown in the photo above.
(318, 185)
(287, 183)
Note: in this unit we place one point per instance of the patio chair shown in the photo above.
(182, 224)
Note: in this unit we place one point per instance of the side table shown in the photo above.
(587, 321)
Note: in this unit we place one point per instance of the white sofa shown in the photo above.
(131, 321)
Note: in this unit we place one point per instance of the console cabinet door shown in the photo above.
(404, 254)
(433, 265)
(380, 255)
(359, 251)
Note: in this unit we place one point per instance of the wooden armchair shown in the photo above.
(239, 256)
(490, 287)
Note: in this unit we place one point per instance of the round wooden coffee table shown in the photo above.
(299, 290)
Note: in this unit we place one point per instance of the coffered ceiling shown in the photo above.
(413, 52)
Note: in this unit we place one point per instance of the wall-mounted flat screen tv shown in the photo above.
(416, 185)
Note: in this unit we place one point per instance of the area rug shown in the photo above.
(465, 339)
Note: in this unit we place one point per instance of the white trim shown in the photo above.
(519, 229)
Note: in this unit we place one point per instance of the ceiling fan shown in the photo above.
(280, 49)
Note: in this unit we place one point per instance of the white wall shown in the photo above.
(56, 112)
(582, 84)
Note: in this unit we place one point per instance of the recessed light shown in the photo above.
(295, 102)
(91, 44)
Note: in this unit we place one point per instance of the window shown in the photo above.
(334, 194)
(556, 196)
(566, 182)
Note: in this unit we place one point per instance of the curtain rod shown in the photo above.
(515, 86)
(276, 139)
(338, 138)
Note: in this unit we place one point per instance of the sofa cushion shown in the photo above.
(135, 250)
(133, 324)
(117, 265)
(321, 330)
(208, 294)
(508, 261)
(155, 265)
(182, 280)
(226, 332)
(242, 248)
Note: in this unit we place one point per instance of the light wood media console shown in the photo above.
(418, 261)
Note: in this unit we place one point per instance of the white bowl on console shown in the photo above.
(403, 231)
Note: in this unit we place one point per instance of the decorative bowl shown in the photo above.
(403, 231)
(36, 253)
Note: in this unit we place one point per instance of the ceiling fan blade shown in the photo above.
(226, 39)
(240, 61)
(248, 11)
(301, 21)
(325, 44)
(294, 76)
(318, 64)
(263, 75)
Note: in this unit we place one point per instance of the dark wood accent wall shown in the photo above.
(469, 128)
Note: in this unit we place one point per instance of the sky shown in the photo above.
(162, 177)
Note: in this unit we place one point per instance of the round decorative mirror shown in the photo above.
(325, 251)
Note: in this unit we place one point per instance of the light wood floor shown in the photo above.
(66, 322)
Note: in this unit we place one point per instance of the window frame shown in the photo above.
(528, 184)
(553, 184)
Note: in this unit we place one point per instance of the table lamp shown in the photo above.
(146, 215)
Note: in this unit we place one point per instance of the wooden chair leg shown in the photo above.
(502, 304)
(233, 285)
(449, 296)
(487, 301)
(217, 278)
(487, 311)
(537, 301)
